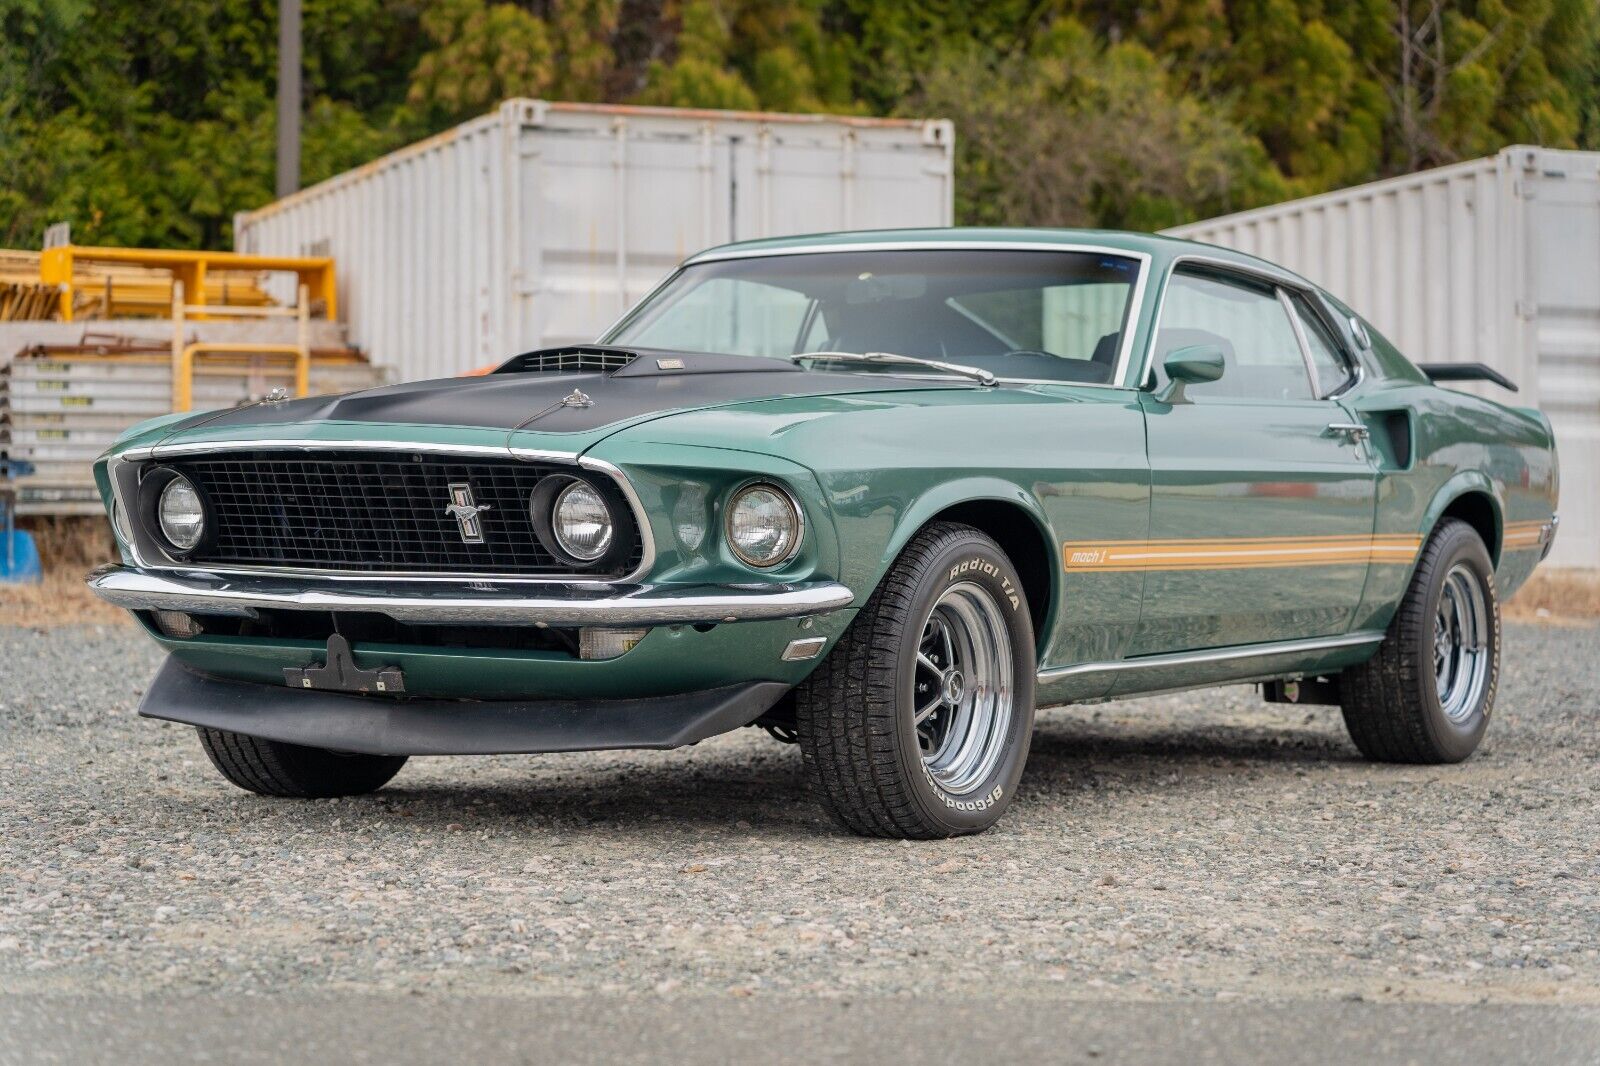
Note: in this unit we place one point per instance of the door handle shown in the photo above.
(1352, 431)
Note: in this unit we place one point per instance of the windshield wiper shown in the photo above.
(981, 376)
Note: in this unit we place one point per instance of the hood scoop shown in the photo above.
(574, 359)
(638, 362)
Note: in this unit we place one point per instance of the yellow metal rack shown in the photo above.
(57, 266)
(184, 354)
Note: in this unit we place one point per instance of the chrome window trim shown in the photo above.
(1287, 303)
(161, 451)
(1213, 655)
(1277, 277)
(1353, 370)
(1130, 327)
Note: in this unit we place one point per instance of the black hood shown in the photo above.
(521, 395)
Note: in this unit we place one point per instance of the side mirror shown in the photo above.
(1193, 365)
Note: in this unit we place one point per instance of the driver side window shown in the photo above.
(1260, 350)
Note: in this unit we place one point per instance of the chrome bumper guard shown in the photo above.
(495, 603)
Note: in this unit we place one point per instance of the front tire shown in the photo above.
(274, 768)
(1427, 695)
(917, 724)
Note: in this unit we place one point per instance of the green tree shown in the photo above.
(152, 123)
(482, 53)
(1073, 132)
(699, 75)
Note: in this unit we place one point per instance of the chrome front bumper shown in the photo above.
(492, 603)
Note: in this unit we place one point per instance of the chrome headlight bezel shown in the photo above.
(155, 487)
(543, 504)
(182, 536)
(605, 522)
(796, 514)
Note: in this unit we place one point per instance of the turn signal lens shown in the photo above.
(182, 516)
(596, 643)
(763, 525)
(582, 522)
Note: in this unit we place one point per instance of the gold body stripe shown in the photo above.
(1238, 553)
(1520, 535)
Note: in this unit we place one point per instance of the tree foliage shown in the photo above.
(153, 123)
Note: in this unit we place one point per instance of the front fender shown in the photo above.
(685, 487)
(942, 497)
(871, 545)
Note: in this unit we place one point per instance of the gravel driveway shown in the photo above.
(1181, 851)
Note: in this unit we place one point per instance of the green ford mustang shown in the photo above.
(880, 493)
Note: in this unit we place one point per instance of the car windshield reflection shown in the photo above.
(1028, 315)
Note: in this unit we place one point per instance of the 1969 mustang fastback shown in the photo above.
(880, 493)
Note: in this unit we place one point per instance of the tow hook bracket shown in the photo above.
(341, 674)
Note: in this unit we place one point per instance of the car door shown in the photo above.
(1262, 489)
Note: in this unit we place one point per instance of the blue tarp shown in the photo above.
(21, 562)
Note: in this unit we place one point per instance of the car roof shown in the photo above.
(1159, 248)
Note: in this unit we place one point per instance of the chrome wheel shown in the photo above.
(1461, 643)
(963, 688)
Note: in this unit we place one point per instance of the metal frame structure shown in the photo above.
(183, 354)
(188, 268)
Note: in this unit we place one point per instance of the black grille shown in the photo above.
(366, 512)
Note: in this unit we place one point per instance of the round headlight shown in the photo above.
(763, 525)
(182, 516)
(582, 522)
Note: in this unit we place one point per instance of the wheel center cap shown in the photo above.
(954, 686)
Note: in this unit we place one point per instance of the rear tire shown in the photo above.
(917, 724)
(273, 768)
(1427, 695)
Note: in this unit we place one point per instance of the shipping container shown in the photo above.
(541, 223)
(1496, 261)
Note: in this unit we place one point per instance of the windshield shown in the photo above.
(1053, 316)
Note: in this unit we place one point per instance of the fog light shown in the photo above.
(178, 625)
(607, 643)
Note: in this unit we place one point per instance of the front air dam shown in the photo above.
(382, 725)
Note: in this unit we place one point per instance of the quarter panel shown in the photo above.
(1463, 444)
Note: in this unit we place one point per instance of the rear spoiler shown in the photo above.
(1438, 372)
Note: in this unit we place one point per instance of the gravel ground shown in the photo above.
(1183, 849)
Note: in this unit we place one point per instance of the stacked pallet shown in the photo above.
(63, 405)
(28, 301)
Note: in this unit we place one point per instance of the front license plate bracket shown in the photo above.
(341, 674)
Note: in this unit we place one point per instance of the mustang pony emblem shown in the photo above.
(465, 512)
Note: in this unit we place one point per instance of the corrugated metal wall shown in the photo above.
(540, 224)
(1496, 260)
